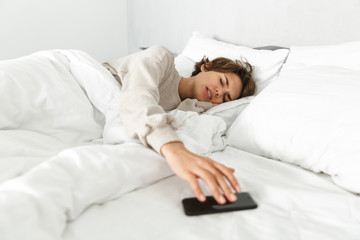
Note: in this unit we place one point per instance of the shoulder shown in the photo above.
(159, 49)
(155, 57)
(159, 52)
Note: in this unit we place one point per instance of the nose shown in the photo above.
(219, 92)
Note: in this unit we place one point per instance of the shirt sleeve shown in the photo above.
(194, 105)
(141, 113)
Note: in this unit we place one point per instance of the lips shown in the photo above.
(208, 93)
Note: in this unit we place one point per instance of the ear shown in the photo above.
(205, 67)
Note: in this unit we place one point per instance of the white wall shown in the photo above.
(98, 27)
(250, 23)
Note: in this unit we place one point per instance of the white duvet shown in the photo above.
(53, 160)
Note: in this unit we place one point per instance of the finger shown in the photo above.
(225, 188)
(219, 170)
(229, 174)
(212, 183)
(221, 182)
(196, 188)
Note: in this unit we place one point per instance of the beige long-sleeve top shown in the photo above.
(149, 88)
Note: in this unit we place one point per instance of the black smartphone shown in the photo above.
(194, 207)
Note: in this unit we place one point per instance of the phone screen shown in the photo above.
(193, 207)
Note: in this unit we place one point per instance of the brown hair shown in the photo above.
(224, 65)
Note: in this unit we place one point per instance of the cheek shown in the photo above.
(214, 81)
(199, 93)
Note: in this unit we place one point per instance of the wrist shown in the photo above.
(171, 148)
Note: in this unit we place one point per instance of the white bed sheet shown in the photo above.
(293, 204)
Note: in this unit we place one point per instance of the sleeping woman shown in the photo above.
(151, 86)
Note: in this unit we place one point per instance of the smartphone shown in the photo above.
(193, 207)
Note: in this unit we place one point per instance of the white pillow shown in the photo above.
(345, 55)
(184, 65)
(310, 115)
(228, 111)
(267, 63)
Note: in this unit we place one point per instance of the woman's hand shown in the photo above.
(189, 167)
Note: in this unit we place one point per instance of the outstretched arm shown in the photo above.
(189, 167)
(144, 118)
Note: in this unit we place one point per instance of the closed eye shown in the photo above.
(226, 81)
(227, 84)
(229, 98)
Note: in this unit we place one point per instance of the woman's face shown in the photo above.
(216, 87)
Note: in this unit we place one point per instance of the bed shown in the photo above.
(67, 171)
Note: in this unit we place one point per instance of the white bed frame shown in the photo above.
(249, 23)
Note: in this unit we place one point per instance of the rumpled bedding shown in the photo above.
(57, 155)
